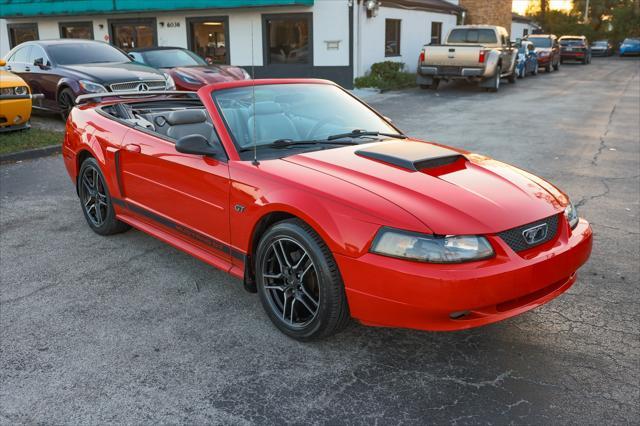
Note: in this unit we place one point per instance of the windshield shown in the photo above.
(571, 42)
(631, 41)
(472, 35)
(293, 112)
(540, 41)
(600, 43)
(85, 53)
(171, 58)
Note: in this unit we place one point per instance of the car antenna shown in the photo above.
(255, 161)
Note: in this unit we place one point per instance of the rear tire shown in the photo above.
(95, 200)
(512, 77)
(434, 84)
(496, 80)
(547, 68)
(299, 283)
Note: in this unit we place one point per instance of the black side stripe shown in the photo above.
(191, 233)
(119, 173)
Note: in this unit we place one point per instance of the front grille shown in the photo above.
(134, 85)
(449, 70)
(515, 239)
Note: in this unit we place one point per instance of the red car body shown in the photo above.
(206, 74)
(191, 202)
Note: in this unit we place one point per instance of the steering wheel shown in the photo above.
(330, 119)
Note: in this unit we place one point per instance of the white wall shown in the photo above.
(517, 29)
(4, 38)
(415, 32)
(330, 23)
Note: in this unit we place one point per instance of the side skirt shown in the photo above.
(180, 238)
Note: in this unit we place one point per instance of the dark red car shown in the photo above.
(324, 207)
(548, 50)
(189, 71)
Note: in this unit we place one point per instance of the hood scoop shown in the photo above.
(412, 156)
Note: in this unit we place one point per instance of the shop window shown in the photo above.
(83, 30)
(288, 39)
(209, 39)
(392, 37)
(133, 34)
(436, 33)
(19, 33)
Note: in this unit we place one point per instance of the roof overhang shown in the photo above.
(43, 8)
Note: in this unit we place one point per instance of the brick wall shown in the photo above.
(490, 12)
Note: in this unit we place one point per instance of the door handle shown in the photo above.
(132, 148)
(27, 69)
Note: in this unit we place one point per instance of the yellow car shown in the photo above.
(15, 101)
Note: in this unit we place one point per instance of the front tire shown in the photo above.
(66, 102)
(299, 283)
(556, 66)
(95, 200)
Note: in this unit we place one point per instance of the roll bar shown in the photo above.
(133, 94)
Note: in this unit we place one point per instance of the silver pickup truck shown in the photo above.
(481, 53)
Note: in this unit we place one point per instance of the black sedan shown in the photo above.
(63, 69)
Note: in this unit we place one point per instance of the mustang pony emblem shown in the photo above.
(535, 234)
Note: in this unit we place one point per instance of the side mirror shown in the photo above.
(197, 144)
(133, 58)
(39, 62)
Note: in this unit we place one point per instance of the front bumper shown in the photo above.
(15, 111)
(389, 292)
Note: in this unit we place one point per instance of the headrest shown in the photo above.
(186, 116)
(265, 108)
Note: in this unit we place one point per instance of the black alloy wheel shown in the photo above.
(66, 102)
(96, 202)
(298, 282)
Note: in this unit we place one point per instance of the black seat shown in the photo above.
(271, 123)
(189, 122)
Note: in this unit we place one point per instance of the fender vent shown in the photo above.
(413, 156)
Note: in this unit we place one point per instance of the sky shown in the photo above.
(520, 6)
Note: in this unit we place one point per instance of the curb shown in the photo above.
(31, 154)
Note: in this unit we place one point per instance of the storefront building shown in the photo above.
(334, 39)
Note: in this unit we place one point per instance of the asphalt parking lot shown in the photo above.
(126, 329)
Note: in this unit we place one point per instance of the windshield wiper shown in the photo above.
(285, 143)
(357, 133)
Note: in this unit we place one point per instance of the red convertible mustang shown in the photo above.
(324, 207)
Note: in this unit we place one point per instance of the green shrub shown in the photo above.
(387, 75)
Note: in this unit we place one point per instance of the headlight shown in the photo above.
(187, 78)
(169, 83)
(91, 87)
(21, 90)
(431, 248)
(571, 213)
(245, 74)
(544, 53)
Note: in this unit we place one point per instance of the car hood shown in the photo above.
(8, 79)
(542, 49)
(114, 72)
(210, 74)
(450, 191)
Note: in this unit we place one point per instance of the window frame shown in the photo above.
(21, 25)
(200, 19)
(266, 55)
(397, 53)
(61, 25)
